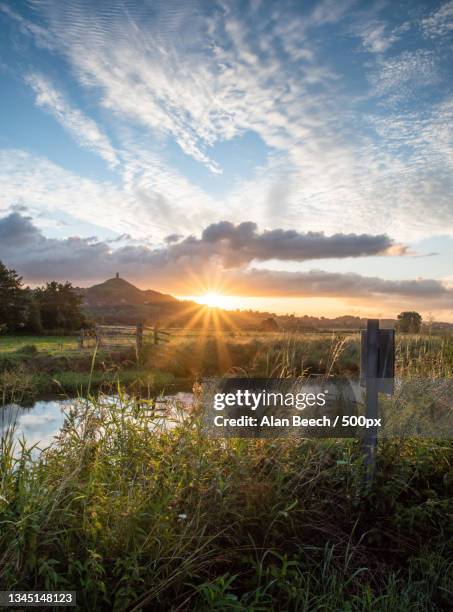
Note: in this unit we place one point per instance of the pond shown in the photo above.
(40, 423)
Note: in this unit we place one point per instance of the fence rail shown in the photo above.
(121, 336)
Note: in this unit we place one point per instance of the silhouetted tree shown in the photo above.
(60, 306)
(410, 322)
(33, 323)
(13, 299)
(269, 324)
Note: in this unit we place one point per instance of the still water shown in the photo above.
(40, 423)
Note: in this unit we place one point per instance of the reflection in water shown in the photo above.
(40, 423)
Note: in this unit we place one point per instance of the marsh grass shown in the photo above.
(292, 355)
(136, 514)
(139, 514)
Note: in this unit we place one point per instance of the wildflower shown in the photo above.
(182, 517)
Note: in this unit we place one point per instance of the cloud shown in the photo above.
(15, 229)
(233, 246)
(397, 77)
(427, 135)
(151, 199)
(178, 73)
(84, 130)
(172, 266)
(376, 38)
(317, 283)
(237, 245)
(440, 22)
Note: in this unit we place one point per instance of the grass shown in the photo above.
(30, 371)
(136, 520)
(135, 517)
(49, 344)
(19, 385)
(286, 355)
(190, 358)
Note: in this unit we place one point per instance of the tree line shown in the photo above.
(54, 306)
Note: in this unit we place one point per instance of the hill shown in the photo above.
(117, 291)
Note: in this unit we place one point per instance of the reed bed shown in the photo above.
(136, 515)
(139, 512)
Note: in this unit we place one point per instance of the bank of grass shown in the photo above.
(134, 519)
(21, 386)
(28, 373)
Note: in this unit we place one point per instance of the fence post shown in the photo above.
(139, 337)
(372, 356)
(81, 338)
(156, 334)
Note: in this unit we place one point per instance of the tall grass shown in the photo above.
(288, 355)
(135, 514)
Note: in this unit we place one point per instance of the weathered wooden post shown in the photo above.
(371, 411)
(139, 337)
(377, 365)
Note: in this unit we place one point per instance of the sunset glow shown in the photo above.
(214, 300)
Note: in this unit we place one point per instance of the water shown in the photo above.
(41, 422)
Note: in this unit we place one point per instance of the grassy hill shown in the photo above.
(115, 291)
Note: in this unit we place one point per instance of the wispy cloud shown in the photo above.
(151, 199)
(83, 129)
(397, 77)
(439, 23)
(177, 72)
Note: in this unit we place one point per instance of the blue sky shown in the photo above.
(124, 122)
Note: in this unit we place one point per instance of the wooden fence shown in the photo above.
(122, 336)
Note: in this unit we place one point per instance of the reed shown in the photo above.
(139, 512)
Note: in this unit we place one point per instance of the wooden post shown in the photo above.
(372, 360)
(139, 337)
(81, 338)
(156, 334)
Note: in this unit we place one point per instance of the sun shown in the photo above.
(211, 299)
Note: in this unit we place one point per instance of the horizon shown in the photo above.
(244, 153)
(261, 305)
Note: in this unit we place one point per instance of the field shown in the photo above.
(50, 344)
(138, 520)
(34, 365)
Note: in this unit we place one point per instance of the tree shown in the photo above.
(60, 306)
(269, 325)
(13, 299)
(410, 322)
(33, 321)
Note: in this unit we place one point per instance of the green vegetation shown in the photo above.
(135, 515)
(50, 344)
(31, 367)
(55, 306)
(52, 364)
(290, 355)
(136, 519)
(409, 322)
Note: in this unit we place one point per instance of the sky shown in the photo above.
(291, 156)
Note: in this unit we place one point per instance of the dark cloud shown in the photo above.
(223, 249)
(317, 283)
(171, 238)
(15, 229)
(237, 245)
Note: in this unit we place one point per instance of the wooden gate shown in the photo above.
(122, 336)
